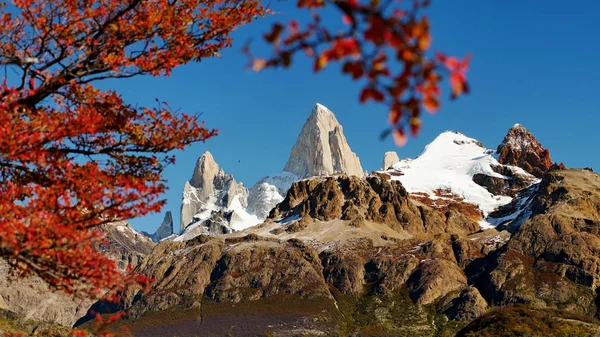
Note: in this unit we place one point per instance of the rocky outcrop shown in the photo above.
(218, 223)
(465, 305)
(551, 261)
(261, 269)
(125, 244)
(321, 148)
(435, 279)
(389, 159)
(32, 299)
(164, 230)
(374, 199)
(513, 180)
(520, 148)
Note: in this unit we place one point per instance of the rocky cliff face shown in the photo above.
(125, 244)
(551, 260)
(520, 148)
(212, 190)
(32, 299)
(321, 148)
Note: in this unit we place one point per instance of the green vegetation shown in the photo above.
(520, 320)
(13, 324)
(396, 315)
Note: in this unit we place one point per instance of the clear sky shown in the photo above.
(534, 63)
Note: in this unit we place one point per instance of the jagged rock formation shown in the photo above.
(550, 260)
(520, 148)
(212, 190)
(321, 148)
(511, 181)
(218, 223)
(164, 230)
(389, 159)
(375, 199)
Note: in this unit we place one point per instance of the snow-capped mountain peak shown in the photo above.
(321, 148)
(211, 191)
(450, 166)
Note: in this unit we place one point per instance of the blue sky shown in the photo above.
(534, 63)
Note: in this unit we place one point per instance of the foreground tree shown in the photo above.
(73, 156)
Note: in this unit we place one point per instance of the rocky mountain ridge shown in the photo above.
(343, 244)
(433, 245)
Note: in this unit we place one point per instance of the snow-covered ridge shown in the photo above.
(449, 163)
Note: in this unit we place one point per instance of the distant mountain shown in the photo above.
(321, 149)
(164, 230)
(213, 202)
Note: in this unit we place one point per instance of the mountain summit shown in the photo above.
(213, 193)
(322, 148)
(520, 148)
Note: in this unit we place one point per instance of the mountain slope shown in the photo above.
(452, 167)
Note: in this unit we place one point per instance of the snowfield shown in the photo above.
(449, 163)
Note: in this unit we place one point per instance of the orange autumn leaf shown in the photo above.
(399, 137)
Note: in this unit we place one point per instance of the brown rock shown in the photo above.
(434, 279)
(553, 258)
(464, 306)
(520, 148)
(257, 270)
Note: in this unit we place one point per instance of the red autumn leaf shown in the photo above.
(394, 114)
(275, 33)
(371, 93)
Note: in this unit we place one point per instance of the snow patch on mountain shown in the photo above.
(449, 163)
(268, 192)
(517, 212)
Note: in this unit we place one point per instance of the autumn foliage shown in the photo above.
(386, 44)
(73, 156)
